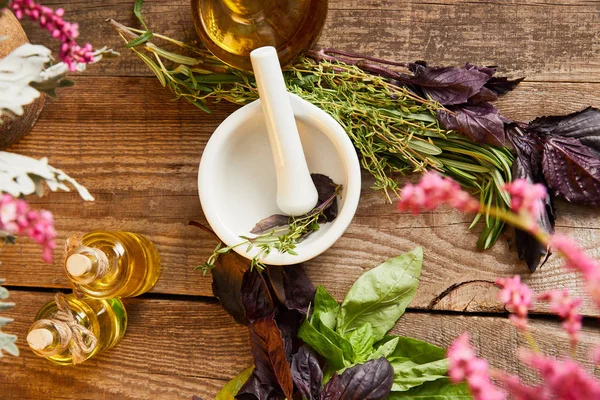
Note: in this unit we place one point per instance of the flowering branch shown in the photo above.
(564, 379)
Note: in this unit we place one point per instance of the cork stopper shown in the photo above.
(40, 339)
(78, 265)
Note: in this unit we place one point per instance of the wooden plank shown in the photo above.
(176, 348)
(138, 153)
(541, 40)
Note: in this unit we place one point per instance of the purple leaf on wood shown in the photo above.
(480, 122)
(292, 287)
(227, 284)
(502, 85)
(307, 373)
(256, 297)
(269, 223)
(372, 380)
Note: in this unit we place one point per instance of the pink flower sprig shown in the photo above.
(525, 197)
(566, 308)
(564, 378)
(52, 20)
(517, 298)
(16, 218)
(433, 191)
(518, 390)
(465, 366)
(576, 259)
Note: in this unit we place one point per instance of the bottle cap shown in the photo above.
(78, 265)
(39, 339)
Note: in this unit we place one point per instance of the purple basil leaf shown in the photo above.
(271, 366)
(583, 125)
(480, 122)
(256, 297)
(269, 223)
(292, 287)
(372, 380)
(489, 71)
(527, 166)
(485, 95)
(502, 85)
(227, 284)
(307, 373)
(448, 85)
(325, 188)
(254, 389)
(571, 170)
(288, 322)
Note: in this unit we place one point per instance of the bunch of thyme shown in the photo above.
(393, 129)
(282, 239)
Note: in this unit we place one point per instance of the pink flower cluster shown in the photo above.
(576, 259)
(465, 366)
(16, 218)
(565, 307)
(564, 379)
(526, 197)
(433, 191)
(70, 52)
(518, 299)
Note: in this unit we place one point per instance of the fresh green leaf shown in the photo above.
(415, 362)
(153, 67)
(137, 10)
(322, 345)
(385, 349)
(441, 389)
(176, 58)
(229, 391)
(326, 309)
(143, 38)
(381, 295)
(362, 340)
(341, 342)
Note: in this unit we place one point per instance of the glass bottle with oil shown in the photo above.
(231, 29)
(105, 265)
(106, 319)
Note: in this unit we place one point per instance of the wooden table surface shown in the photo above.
(119, 133)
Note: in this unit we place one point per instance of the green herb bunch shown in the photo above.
(393, 129)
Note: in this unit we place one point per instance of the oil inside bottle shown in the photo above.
(113, 264)
(106, 319)
(231, 29)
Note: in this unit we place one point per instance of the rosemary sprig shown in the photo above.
(283, 239)
(393, 129)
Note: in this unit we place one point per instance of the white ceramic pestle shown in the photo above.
(296, 192)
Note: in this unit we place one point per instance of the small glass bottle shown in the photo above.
(106, 265)
(49, 337)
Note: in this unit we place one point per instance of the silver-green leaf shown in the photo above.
(381, 295)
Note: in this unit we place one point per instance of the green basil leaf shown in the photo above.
(326, 309)
(232, 387)
(381, 295)
(321, 344)
(385, 349)
(441, 389)
(415, 362)
(341, 342)
(362, 341)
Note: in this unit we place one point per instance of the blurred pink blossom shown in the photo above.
(564, 378)
(518, 299)
(565, 307)
(526, 197)
(70, 52)
(465, 366)
(518, 390)
(433, 191)
(596, 355)
(17, 219)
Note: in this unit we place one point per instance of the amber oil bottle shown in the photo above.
(54, 339)
(105, 265)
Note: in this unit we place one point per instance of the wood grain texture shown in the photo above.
(176, 348)
(542, 40)
(138, 153)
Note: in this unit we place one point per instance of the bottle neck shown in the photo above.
(49, 337)
(86, 264)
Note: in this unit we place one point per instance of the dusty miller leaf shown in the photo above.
(21, 175)
(7, 342)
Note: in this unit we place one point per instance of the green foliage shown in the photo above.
(393, 130)
(441, 389)
(229, 391)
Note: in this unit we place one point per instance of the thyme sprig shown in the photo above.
(281, 239)
(394, 130)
